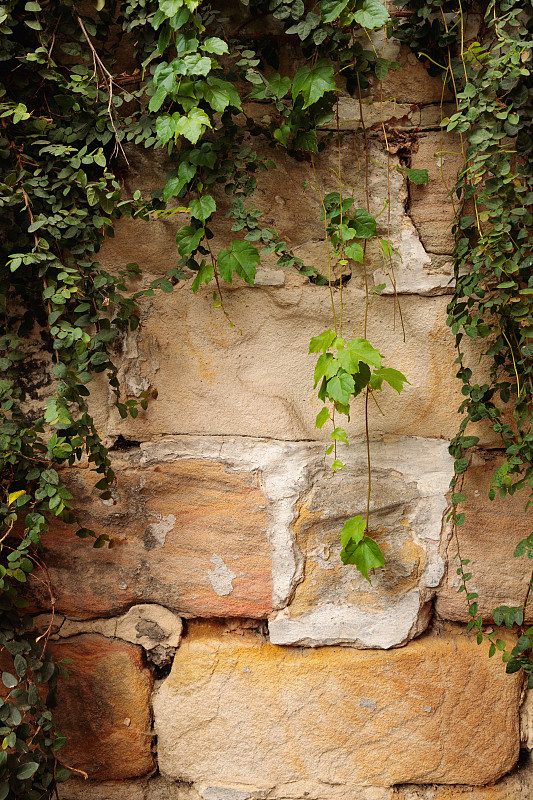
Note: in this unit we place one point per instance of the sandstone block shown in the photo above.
(488, 538)
(334, 603)
(104, 709)
(237, 710)
(177, 542)
(431, 207)
(260, 383)
(516, 786)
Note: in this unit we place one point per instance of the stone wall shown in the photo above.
(220, 649)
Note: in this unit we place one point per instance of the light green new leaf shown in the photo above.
(393, 377)
(365, 224)
(339, 434)
(330, 9)
(340, 388)
(355, 251)
(365, 556)
(321, 342)
(326, 367)
(337, 464)
(371, 14)
(205, 275)
(193, 64)
(353, 530)
(321, 418)
(202, 207)
(348, 360)
(215, 45)
(193, 125)
(312, 82)
(365, 352)
(241, 257)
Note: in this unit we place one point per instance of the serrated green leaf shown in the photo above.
(364, 351)
(321, 342)
(365, 556)
(321, 418)
(191, 126)
(348, 360)
(417, 176)
(326, 366)
(393, 377)
(365, 224)
(204, 275)
(339, 434)
(202, 207)
(214, 45)
(241, 257)
(312, 82)
(355, 252)
(340, 388)
(353, 530)
(370, 14)
(331, 9)
(187, 240)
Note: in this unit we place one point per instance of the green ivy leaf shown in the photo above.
(201, 208)
(365, 224)
(365, 556)
(321, 418)
(364, 351)
(321, 342)
(193, 125)
(188, 239)
(165, 128)
(353, 530)
(370, 14)
(241, 257)
(417, 176)
(204, 275)
(348, 360)
(340, 388)
(326, 367)
(339, 434)
(221, 94)
(355, 252)
(312, 82)
(331, 9)
(393, 377)
(214, 45)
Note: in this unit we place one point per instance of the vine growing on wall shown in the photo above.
(491, 80)
(69, 115)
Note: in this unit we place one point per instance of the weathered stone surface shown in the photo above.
(104, 709)
(431, 208)
(79, 789)
(517, 786)
(488, 538)
(237, 710)
(153, 627)
(211, 380)
(334, 603)
(526, 721)
(190, 535)
(202, 526)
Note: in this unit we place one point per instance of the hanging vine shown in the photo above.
(67, 119)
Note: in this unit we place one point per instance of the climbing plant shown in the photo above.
(70, 114)
(490, 77)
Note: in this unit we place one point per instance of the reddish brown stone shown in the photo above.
(189, 535)
(488, 538)
(104, 709)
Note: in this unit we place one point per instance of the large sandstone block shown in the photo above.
(211, 380)
(237, 710)
(488, 538)
(190, 535)
(201, 526)
(431, 208)
(334, 603)
(516, 786)
(104, 709)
